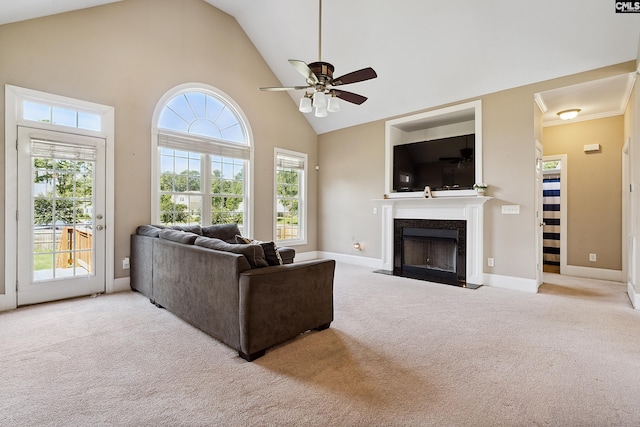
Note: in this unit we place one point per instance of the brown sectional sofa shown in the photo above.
(231, 292)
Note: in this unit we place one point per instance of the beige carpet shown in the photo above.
(399, 353)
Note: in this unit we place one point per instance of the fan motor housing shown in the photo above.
(322, 70)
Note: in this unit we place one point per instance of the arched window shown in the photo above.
(203, 159)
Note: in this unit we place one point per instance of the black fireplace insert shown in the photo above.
(432, 250)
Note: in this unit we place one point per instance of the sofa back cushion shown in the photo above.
(226, 232)
(148, 230)
(253, 253)
(193, 228)
(178, 236)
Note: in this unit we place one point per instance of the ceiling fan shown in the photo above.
(466, 155)
(322, 85)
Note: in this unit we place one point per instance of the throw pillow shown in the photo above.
(243, 240)
(253, 253)
(270, 249)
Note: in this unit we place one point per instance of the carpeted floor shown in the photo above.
(399, 353)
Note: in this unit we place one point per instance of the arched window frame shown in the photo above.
(199, 140)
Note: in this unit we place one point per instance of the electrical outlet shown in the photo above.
(491, 262)
(592, 257)
(125, 263)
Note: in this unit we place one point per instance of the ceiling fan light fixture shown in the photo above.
(333, 105)
(321, 111)
(569, 114)
(319, 100)
(305, 105)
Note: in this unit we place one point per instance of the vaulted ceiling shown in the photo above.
(426, 53)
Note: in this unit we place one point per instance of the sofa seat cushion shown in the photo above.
(253, 253)
(178, 236)
(225, 232)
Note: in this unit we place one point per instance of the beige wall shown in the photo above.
(594, 189)
(511, 124)
(127, 55)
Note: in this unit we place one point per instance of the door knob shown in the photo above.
(100, 228)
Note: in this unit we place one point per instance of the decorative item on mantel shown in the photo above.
(427, 192)
(481, 188)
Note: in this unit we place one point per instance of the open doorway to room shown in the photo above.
(583, 179)
(554, 203)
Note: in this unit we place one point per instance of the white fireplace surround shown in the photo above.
(469, 209)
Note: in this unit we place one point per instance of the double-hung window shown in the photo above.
(203, 161)
(290, 193)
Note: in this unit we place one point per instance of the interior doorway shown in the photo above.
(554, 200)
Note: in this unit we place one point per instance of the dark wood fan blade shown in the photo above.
(277, 89)
(304, 69)
(354, 98)
(356, 76)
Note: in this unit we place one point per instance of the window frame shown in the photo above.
(199, 142)
(302, 197)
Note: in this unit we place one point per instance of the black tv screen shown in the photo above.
(442, 164)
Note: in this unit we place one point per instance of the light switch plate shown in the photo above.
(511, 209)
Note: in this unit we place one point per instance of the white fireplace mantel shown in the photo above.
(466, 208)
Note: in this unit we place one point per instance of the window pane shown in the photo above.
(234, 133)
(36, 112)
(213, 108)
(170, 120)
(290, 171)
(205, 128)
(89, 121)
(180, 106)
(196, 101)
(64, 117)
(226, 119)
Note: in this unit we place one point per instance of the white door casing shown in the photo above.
(539, 214)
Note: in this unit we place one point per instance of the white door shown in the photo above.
(61, 206)
(539, 214)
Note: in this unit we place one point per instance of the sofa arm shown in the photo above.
(280, 302)
(286, 254)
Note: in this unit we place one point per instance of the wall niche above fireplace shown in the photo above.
(445, 124)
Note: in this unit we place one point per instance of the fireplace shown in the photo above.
(433, 250)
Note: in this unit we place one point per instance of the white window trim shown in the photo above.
(303, 208)
(14, 96)
(189, 87)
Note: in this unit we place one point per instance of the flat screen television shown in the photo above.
(442, 164)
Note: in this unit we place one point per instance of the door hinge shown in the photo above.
(17, 215)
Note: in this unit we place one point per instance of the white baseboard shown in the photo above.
(120, 285)
(511, 282)
(352, 259)
(593, 273)
(306, 256)
(8, 302)
(633, 296)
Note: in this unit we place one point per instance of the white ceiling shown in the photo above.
(426, 53)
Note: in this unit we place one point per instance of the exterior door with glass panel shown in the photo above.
(61, 205)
